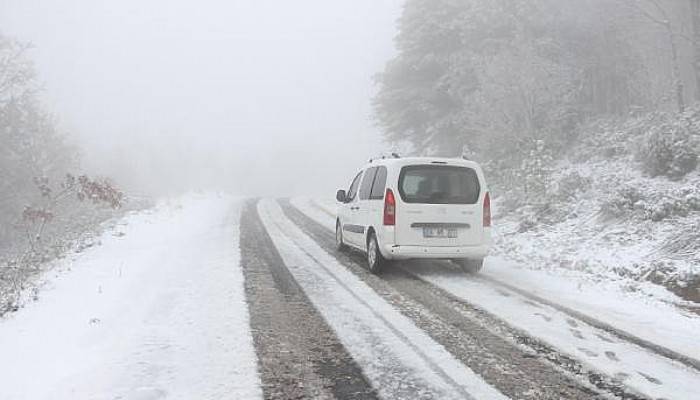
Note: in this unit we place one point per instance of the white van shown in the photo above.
(419, 207)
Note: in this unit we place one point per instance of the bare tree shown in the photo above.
(654, 12)
(695, 22)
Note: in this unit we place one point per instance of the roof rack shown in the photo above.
(384, 157)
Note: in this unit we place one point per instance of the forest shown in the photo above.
(47, 204)
(582, 112)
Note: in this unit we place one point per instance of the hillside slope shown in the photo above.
(623, 206)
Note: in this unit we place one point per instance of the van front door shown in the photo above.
(352, 229)
(364, 205)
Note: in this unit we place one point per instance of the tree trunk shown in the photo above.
(677, 78)
(695, 16)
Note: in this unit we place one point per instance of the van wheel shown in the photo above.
(339, 244)
(470, 266)
(375, 259)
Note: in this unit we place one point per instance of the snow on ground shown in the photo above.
(649, 374)
(157, 313)
(618, 228)
(315, 210)
(654, 321)
(645, 317)
(330, 206)
(400, 359)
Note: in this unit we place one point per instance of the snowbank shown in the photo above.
(157, 312)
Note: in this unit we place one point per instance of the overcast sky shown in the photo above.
(263, 96)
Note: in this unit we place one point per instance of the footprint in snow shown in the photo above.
(621, 376)
(611, 356)
(572, 323)
(532, 303)
(503, 293)
(587, 352)
(545, 317)
(604, 338)
(577, 333)
(650, 378)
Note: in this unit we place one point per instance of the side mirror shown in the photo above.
(340, 196)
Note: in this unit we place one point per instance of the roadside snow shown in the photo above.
(617, 227)
(400, 359)
(649, 374)
(645, 317)
(157, 313)
(649, 319)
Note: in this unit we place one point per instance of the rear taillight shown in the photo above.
(389, 208)
(487, 210)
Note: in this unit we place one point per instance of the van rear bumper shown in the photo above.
(396, 252)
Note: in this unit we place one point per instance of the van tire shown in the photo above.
(339, 243)
(375, 259)
(471, 266)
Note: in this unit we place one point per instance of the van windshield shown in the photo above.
(439, 184)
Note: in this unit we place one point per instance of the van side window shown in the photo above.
(379, 185)
(352, 192)
(367, 181)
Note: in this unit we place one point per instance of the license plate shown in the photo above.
(439, 233)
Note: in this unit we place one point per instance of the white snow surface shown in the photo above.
(654, 321)
(157, 313)
(647, 318)
(622, 252)
(400, 360)
(652, 375)
(316, 210)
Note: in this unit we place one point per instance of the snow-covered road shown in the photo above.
(213, 297)
(502, 293)
(157, 313)
(414, 365)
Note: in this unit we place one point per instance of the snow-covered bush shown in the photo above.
(546, 214)
(670, 146)
(646, 204)
(601, 138)
(52, 224)
(664, 144)
(622, 202)
(570, 185)
(667, 151)
(535, 172)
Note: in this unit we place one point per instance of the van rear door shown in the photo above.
(440, 206)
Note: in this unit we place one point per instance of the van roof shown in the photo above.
(401, 162)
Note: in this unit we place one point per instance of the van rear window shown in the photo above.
(439, 184)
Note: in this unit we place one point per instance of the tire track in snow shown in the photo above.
(641, 370)
(399, 280)
(392, 351)
(461, 329)
(619, 333)
(629, 370)
(588, 319)
(298, 353)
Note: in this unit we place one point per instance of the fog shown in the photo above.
(259, 97)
